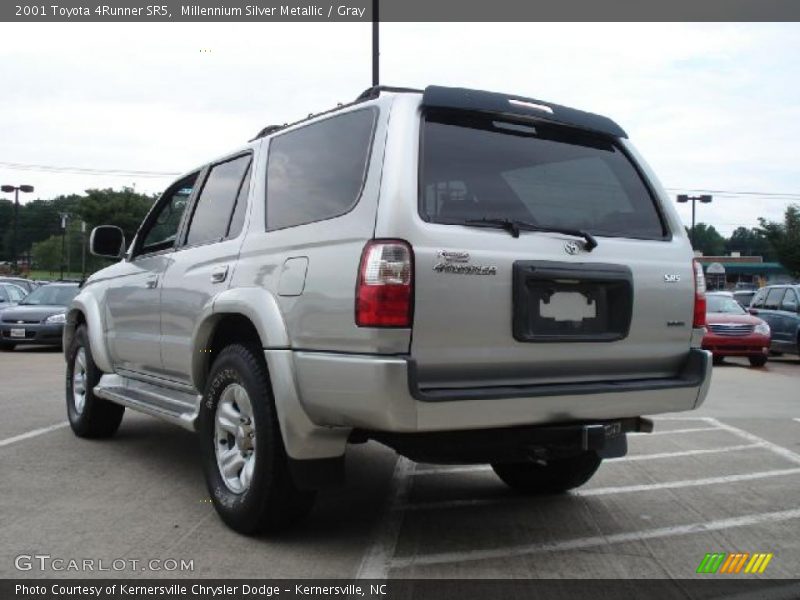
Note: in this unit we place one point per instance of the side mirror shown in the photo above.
(107, 241)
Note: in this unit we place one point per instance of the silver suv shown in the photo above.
(464, 276)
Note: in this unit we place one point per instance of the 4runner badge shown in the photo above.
(458, 264)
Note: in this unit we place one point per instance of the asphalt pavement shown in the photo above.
(725, 478)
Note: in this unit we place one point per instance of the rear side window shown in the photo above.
(476, 167)
(316, 172)
(215, 205)
(774, 298)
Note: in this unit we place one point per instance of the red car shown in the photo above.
(731, 331)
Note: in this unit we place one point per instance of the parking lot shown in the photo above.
(725, 478)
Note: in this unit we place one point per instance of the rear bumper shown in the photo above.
(382, 394)
(749, 345)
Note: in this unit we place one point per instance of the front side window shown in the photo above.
(316, 172)
(758, 299)
(161, 231)
(479, 167)
(215, 204)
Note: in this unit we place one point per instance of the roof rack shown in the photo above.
(375, 91)
(368, 94)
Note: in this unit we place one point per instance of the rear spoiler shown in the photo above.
(491, 102)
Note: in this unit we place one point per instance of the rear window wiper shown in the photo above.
(514, 226)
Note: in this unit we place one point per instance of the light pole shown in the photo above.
(64, 216)
(83, 250)
(704, 199)
(25, 189)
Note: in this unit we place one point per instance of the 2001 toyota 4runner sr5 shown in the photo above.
(464, 276)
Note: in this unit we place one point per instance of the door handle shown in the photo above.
(151, 283)
(219, 274)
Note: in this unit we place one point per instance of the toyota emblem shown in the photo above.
(571, 248)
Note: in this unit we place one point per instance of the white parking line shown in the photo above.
(619, 489)
(680, 453)
(798, 420)
(673, 431)
(595, 541)
(375, 562)
(633, 457)
(779, 450)
(30, 434)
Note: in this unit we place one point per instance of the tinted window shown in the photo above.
(164, 228)
(550, 176)
(3, 294)
(237, 219)
(215, 204)
(56, 295)
(316, 172)
(774, 298)
(789, 301)
(758, 299)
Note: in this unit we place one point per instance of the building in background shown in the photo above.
(741, 272)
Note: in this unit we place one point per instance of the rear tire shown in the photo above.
(244, 459)
(757, 361)
(89, 416)
(548, 477)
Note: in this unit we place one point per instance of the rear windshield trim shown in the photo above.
(666, 232)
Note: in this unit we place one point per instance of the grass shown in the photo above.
(53, 275)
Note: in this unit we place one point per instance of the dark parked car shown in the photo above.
(26, 284)
(38, 318)
(730, 331)
(778, 305)
(10, 294)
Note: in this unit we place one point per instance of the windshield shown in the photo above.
(477, 167)
(723, 304)
(52, 295)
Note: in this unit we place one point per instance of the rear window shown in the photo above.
(477, 167)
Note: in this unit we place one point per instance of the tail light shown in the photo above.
(699, 295)
(385, 289)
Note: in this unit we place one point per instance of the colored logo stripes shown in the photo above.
(734, 562)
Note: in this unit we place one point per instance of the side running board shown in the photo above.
(177, 407)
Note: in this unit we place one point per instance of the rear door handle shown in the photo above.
(151, 283)
(219, 274)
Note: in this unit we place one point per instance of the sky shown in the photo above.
(710, 106)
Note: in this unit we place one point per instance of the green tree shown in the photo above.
(125, 209)
(6, 228)
(707, 240)
(750, 242)
(785, 238)
(47, 254)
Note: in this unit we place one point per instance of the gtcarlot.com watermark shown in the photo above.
(48, 563)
